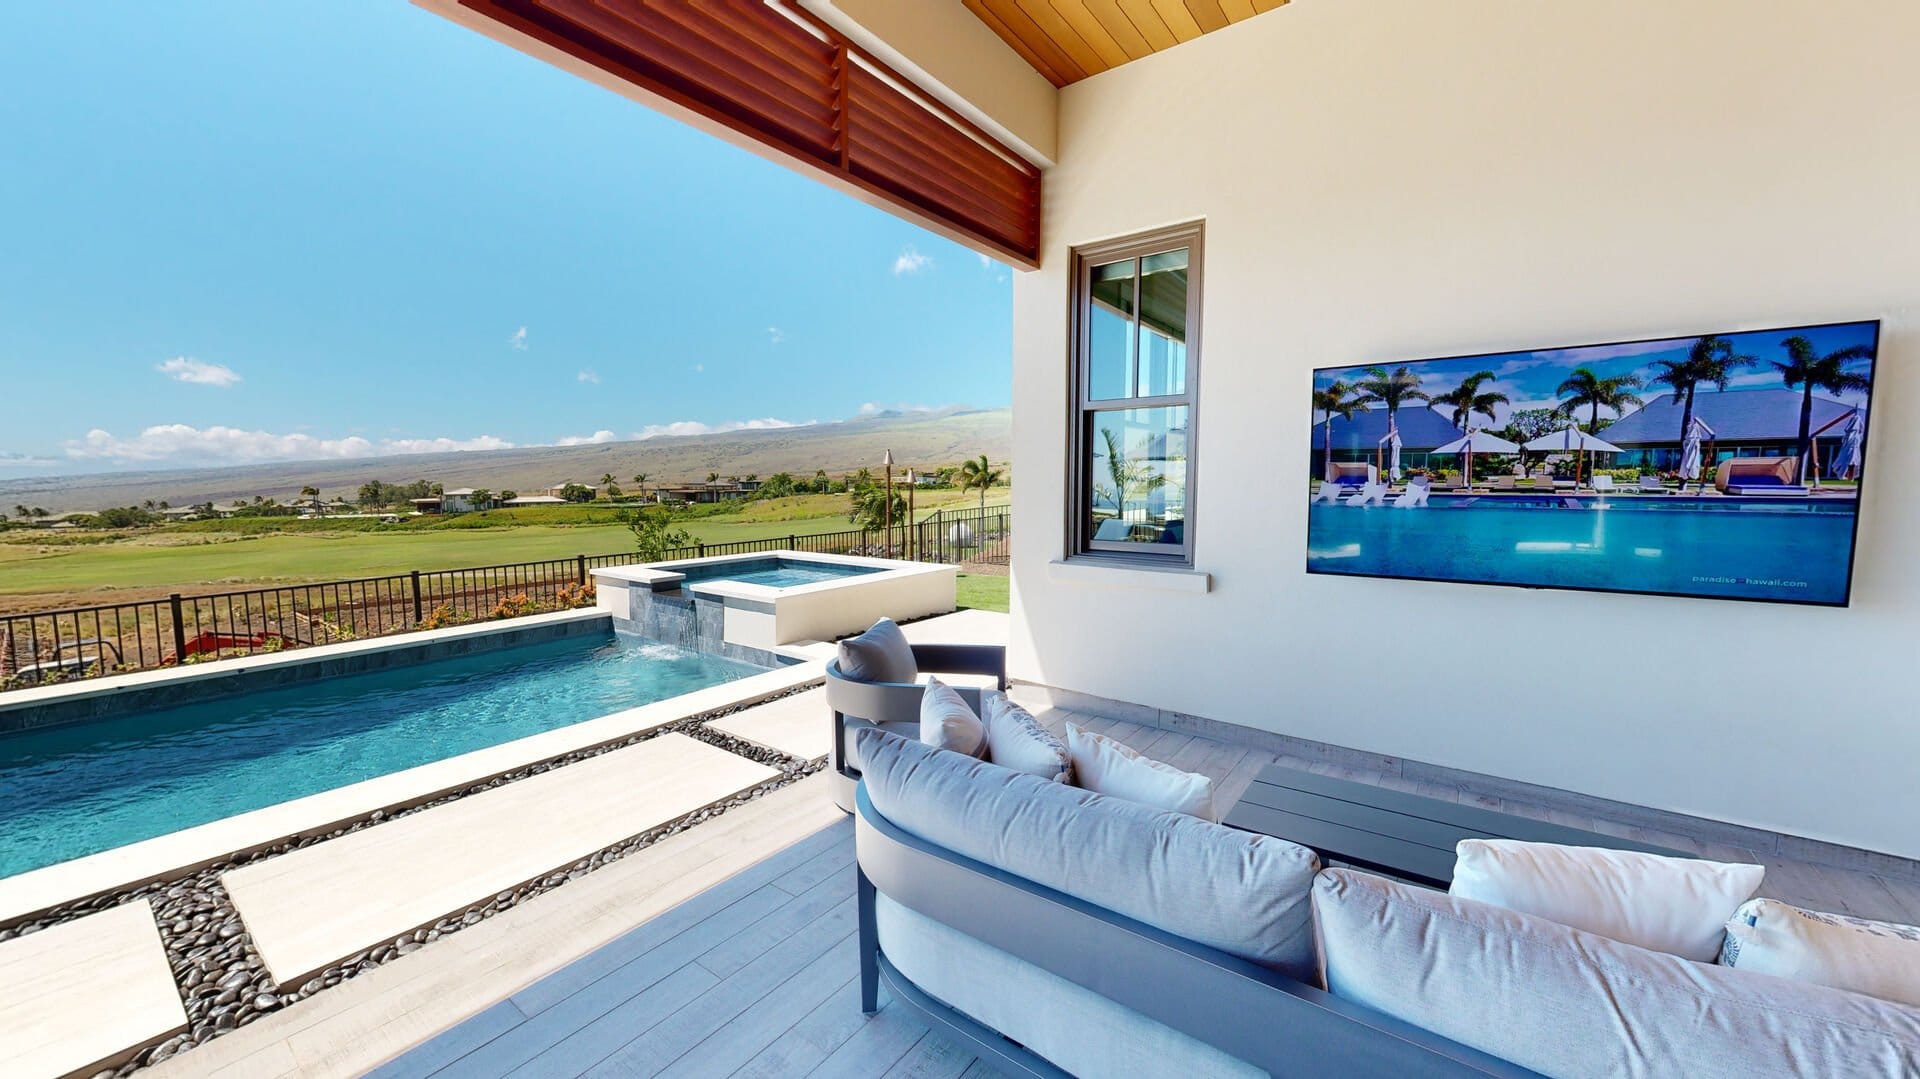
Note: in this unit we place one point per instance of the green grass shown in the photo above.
(243, 552)
(983, 593)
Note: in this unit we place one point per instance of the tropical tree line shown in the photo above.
(1710, 362)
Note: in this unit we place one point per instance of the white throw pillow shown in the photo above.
(1880, 959)
(1018, 741)
(1675, 905)
(1104, 766)
(946, 722)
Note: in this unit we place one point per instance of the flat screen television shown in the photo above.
(1720, 465)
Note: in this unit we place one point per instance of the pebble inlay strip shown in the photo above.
(223, 981)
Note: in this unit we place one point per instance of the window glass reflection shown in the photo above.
(1137, 475)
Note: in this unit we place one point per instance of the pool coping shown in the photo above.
(658, 580)
(224, 669)
(36, 891)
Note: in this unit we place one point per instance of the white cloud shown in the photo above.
(694, 427)
(775, 335)
(518, 339)
(179, 442)
(875, 408)
(1596, 353)
(986, 261)
(910, 260)
(699, 368)
(589, 376)
(188, 369)
(593, 439)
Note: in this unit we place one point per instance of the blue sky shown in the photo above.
(1529, 378)
(243, 231)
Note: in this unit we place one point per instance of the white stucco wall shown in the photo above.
(1398, 179)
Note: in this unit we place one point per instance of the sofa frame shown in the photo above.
(1287, 1027)
(880, 704)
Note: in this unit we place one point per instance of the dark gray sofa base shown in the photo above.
(1284, 1026)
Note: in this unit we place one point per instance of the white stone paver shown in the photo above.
(318, 905)
(82, 995)
(961, 627)
(796, 726)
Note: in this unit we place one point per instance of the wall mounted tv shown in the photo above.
(1720, 465)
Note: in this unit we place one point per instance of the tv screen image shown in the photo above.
(1721, 465)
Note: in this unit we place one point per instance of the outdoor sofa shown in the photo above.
(1053, 931)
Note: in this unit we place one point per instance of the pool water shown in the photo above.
(75, 790)
(1798, 552)
(775, 572)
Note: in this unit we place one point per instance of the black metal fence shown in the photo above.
(85, 642)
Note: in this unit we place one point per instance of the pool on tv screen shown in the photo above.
(1721, 465)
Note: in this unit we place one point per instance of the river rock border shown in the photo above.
(224, 983)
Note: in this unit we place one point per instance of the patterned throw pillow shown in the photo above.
(1879, 959)
(1018, 741)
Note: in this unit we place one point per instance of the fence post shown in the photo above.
(583, 570)
(702, 548)
(793, 543)
(179, 630)
(418, 612)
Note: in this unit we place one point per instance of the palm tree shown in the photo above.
(1334, 402)
(1585, 389)
(640, 482)
(978, 474)
(1466, 399)
(1807, 369)
(713, 477)
(1391, 390)
(1129, 477)
(1710, 360)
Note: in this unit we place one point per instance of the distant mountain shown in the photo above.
(917, 439)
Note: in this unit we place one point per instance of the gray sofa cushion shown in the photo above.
(881, 654)
(1242, 893)
(1074, 1027)
(1564, 1002)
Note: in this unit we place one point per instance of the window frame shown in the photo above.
(1082, 408)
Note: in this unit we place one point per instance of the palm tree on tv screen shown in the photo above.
(1334, 402)
(1709, 361)
(1391, 390)
(1807, 370)
(1585, 389)
(1465, 400)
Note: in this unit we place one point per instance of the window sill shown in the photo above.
(1114, 574)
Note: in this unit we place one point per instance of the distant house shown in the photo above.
(709, 491)
(1422, 430)
(1745, 423)
(465, 500)
(535, 500)
(60, 520)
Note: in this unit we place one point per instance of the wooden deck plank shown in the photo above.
(768, 1019)
(714, 1009)
(804, 910)
(697, 911)
(812, 1039)
(85, 994)
(932, 1057)
(325, 902)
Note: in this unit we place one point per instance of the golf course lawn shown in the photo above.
(39, 572)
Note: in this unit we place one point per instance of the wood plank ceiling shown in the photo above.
(1068, 40)
(778, 75)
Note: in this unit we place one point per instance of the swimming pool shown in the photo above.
(772, 572)
(1727, 548)
(75, 790)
